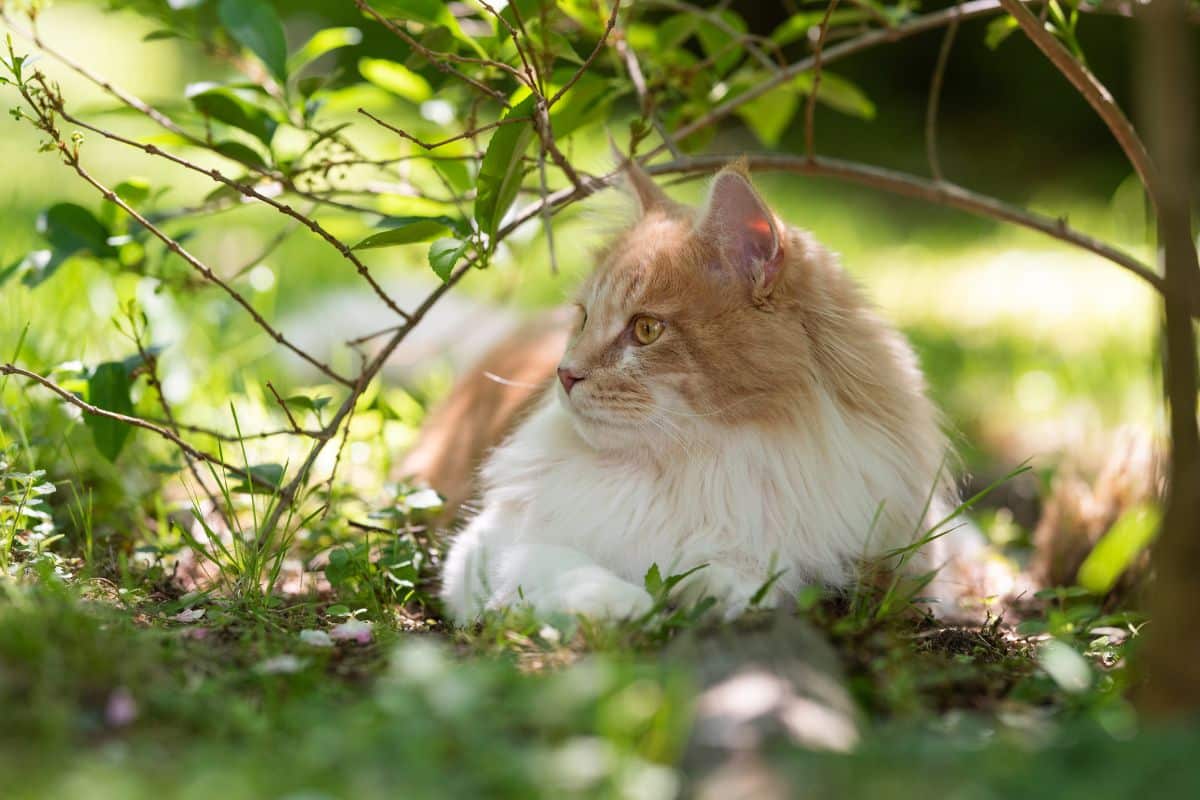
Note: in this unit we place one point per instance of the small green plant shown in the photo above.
(27, 528)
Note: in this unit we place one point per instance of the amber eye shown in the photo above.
(647, 329)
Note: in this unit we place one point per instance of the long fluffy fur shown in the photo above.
(778, 425)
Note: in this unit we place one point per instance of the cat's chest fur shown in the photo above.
(808, 498)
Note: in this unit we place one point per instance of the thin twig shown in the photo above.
(286, 411)
(288, 493)
(810, 104)
(435, 145)
(935, 98)
(151, 364)
(587, 62)
(645, 99)
(547, 214)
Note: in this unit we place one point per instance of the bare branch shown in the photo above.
(469, 134)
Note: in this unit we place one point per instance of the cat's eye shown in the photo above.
(582, 315)
(646, 330)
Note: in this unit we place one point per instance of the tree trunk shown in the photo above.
(1170, 661)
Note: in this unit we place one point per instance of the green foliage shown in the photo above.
(255, 25)
(407, 230)
(109, 387)
(502, 168)
(1118, 548)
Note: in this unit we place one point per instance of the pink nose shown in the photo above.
(568, 378)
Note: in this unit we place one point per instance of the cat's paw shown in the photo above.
(733, 590)
(595, 593)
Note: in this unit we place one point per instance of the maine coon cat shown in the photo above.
(727, 398)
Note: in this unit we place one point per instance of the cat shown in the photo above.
(728, 399)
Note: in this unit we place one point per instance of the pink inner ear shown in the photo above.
(742, 227)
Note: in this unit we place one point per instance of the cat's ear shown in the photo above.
(639, 184)
(642, 186)
(743, 230)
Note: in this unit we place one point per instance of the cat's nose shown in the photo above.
(568, 378)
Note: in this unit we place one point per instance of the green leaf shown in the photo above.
(588, 100)
(320, 43)
(236, 108)
(395, 78)
(998, 30)
(430, 13)
(308, 403)
(408, 230)
(670, 582)
(837, 93)
(768, 116)
(108, 388)
(718, 43)
(502, 168)
(155, 36)
(653, 580)
(444, 254)
(1066, 666)
(1118, 548)
(70, 228)
(134, 191)
(797, 26)
(12, 269)
(268, 478)
(243, 154)
(256, 26)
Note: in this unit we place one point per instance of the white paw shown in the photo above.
(732, 589)
(593, 592)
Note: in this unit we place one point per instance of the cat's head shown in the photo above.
(689, 319)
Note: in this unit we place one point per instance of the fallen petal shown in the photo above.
(352, 630)
(316, 638)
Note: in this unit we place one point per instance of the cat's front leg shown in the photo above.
(552, 579)
(487, 570)
(733, 586)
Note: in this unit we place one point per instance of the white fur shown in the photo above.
(569, 525)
